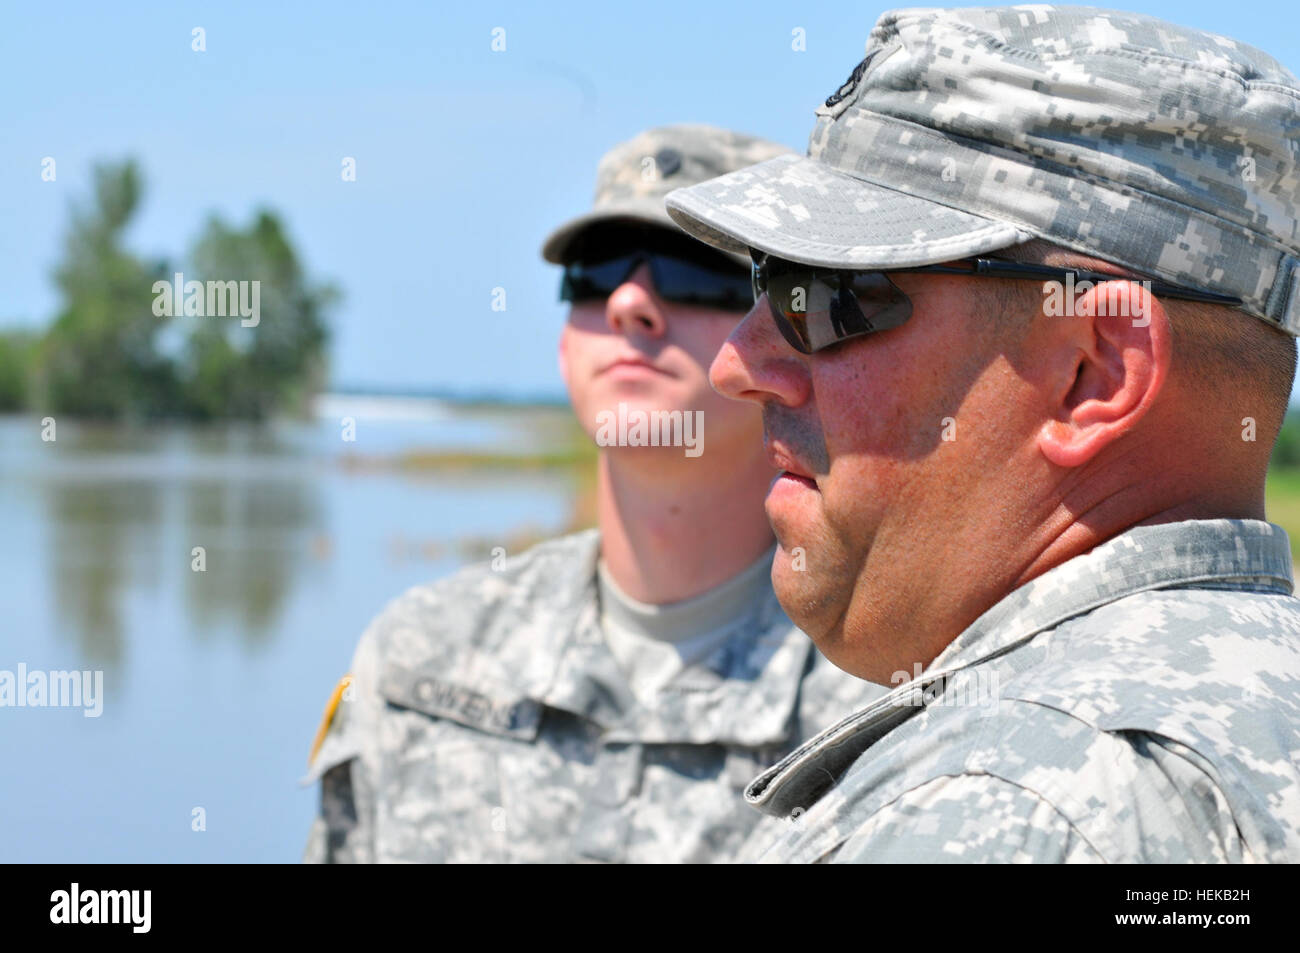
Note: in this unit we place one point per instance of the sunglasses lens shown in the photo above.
(587, 281)
(815, 309)
(685, 281)
(881, 305)
(678, 279)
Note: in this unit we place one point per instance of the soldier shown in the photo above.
(604, 696)
(1027, 477)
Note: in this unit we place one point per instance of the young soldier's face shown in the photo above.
(647, 354)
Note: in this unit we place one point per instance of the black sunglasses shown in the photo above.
(815, 308)
(683, 271)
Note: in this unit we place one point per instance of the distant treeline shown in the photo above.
(123, 346)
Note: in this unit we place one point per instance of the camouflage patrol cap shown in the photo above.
(1172, 152)
(633, 177)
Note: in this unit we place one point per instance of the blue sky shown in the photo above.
(465, 157)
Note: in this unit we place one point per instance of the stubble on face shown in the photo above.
(856, 548)
(811, 574)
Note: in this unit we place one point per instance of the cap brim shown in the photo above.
(649, 213)
(557, 243)
(801, 209)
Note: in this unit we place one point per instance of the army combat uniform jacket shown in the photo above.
(488, 721)
(1138, 703)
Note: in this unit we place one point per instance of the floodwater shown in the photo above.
(219, 579)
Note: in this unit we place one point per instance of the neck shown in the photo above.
(672, 529)
(912, 619)
(1073, 533)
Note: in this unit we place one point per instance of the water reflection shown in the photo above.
(214, 681)
(255, 542)
(125, 508)
(102, 535)
(119, 534)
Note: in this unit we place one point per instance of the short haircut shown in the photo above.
(1218, 349)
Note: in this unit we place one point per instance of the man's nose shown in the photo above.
(755, 363)
(633, 308)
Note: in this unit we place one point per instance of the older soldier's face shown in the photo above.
(888, 444)
(637, 349)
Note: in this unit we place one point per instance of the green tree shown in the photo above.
(17, 350)
(100, 357)
(108, 354)
(232, 369)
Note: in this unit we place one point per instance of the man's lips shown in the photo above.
(783, 460)
(633, 365)
(786, 478)
(793, 475)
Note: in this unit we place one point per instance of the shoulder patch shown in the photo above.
(327, 718)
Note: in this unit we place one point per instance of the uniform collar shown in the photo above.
(1249, 554)
(1238, 554)
(685, 621)
(537, 643)
(744, 695)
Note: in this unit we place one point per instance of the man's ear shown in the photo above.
(1121, 347)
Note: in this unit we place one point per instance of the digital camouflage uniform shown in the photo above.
(487, 721)
(1147, 692)
(1139, 703)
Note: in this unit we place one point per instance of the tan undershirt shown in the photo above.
(654, 643)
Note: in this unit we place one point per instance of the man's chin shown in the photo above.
(811, 615)
(632, 404)
(648, 389)
(791, 584)
(794, 579)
